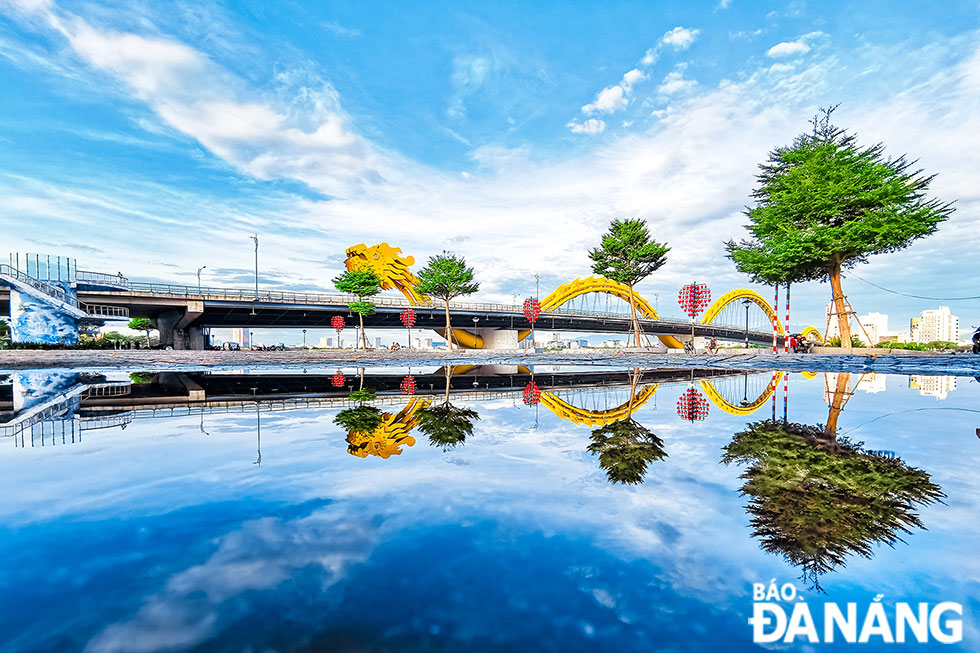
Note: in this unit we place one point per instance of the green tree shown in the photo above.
(816, 498)
(446, 277)
(824, 204)
(628, 255)
(363, 283)
(141, 324)
(625, 448)
(361, 418)
(4, 329)
(446, 425)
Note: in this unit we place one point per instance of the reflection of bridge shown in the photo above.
(181, 313)
(65, 407)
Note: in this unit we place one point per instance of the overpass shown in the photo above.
(47, 302)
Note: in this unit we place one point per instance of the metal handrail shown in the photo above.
(100, 277)
(249, 294)
(46, 288)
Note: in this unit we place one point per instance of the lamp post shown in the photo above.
(199, 270)
(746, 303)
(304, 338)
(255, 237)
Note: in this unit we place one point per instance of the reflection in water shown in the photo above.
(372, 432)
(446, 425)
(817, 498)
(625, 448)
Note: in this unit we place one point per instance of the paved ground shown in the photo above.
(83, 360)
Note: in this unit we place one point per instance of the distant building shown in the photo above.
(325, 342)
(377, 343)
(872, 383)
(933, 386)
(876, 326)
(937, 324)
(243, 337)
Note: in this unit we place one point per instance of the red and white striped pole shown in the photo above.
(775, 328)
(786, 323)
(785, 395)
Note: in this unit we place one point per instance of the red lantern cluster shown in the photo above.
(532, 394)
(337, 380)
(694, 298)
(337, 322)
(408, 317)
(532, 310)
(692, 405)
(408, 385)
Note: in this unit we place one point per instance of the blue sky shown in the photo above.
(153, 138)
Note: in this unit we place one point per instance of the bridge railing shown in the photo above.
(46, 288)
(293, 297)
(87, 276)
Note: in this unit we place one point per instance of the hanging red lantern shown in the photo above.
(532, 310)
(408, 317)
(408, 385)
(532, 394)
(694, 298)
(337, 380)
(692, 405)
(337, 322)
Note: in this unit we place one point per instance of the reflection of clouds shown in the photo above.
(197, 602)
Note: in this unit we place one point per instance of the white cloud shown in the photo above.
(590, 126)
(724, 4)
(609, 100)
(613, 98)
(680, 38)
(788, 49)
(674, 82)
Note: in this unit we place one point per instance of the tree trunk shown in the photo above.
(449, 329)
(843, 319)
(837, 400)
(360, 316)
(636, 322)
(449, 375)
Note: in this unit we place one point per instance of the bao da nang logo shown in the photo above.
(780, 614)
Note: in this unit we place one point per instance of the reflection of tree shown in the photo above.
(362, 419)
(817, 498)
(625, 448)
(446, 425)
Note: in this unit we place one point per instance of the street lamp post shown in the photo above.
(255, 237)
(304, 338)
(746, 303)
(199, 270)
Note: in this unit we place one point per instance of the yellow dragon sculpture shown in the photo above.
(387, 439)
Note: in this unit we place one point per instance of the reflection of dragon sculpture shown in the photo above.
(387, 439)
(390, 266)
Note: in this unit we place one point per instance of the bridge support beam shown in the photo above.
(173, 327)
(497, 338)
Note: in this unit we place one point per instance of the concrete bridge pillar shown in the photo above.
(173, 327)
(497, 338)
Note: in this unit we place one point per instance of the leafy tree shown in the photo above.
(446, 277)
(446, 425)
(628, 255)
(363, 283)
(4, 329)
(362, 419)
(816, 499)
(825, 203)
(625, 448)
(142, 378)
(141, 324)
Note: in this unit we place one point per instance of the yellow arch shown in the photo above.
(812, 331)
(719, 400)
(567, 411)
(569, 291)
(737, 295)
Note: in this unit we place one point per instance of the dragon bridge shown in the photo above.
(387, 438)
(394, 271)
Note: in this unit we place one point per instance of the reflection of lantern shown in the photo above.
(337, 380)
(532, 310)
(692, 405)
(337, 322)
(694, 298)
(532, 394)
(408, 385)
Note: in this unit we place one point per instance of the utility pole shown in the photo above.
(255, 237)
(199, 270)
